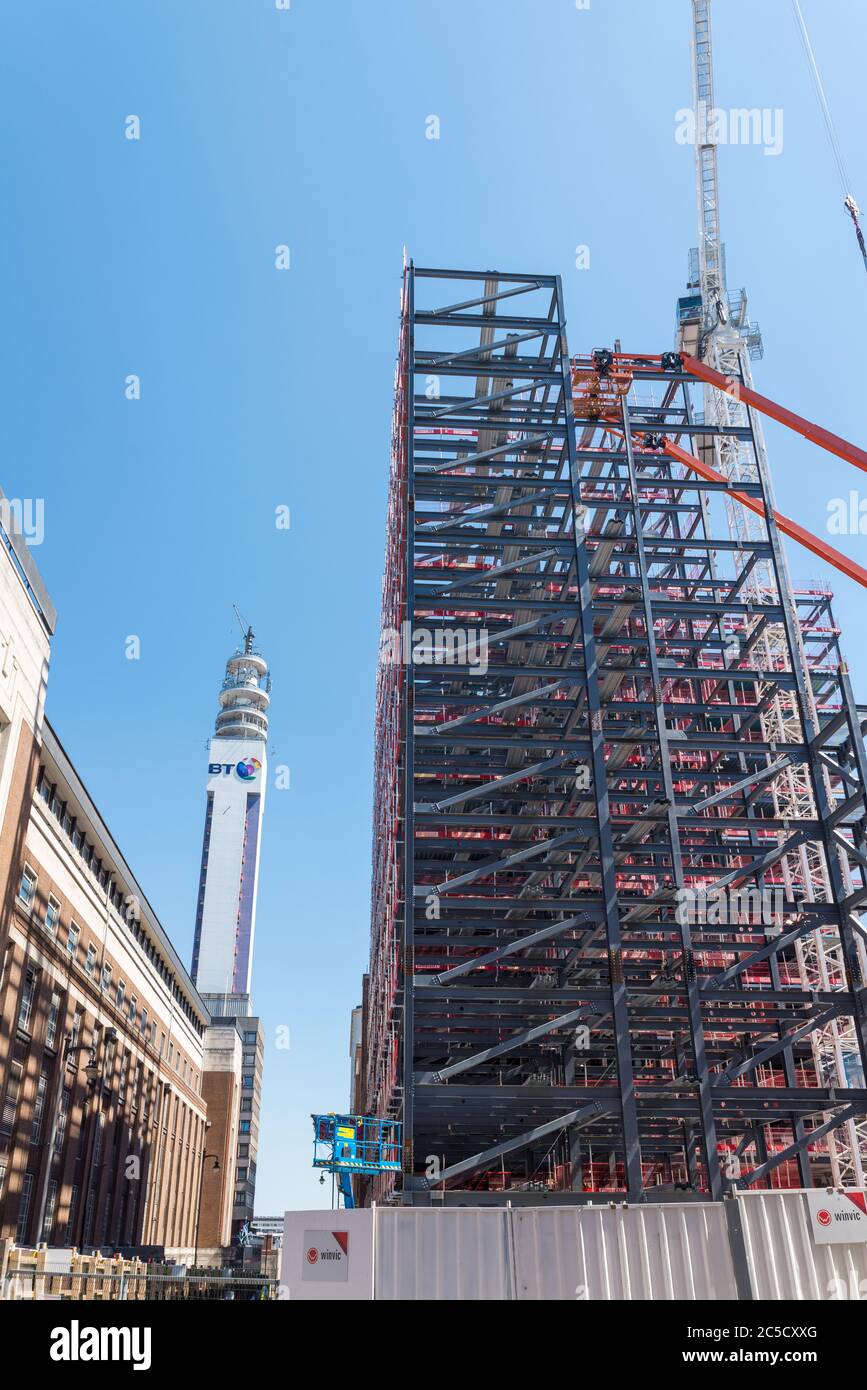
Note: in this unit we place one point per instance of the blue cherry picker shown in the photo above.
(347, 1144)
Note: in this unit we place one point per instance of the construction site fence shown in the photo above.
(65, 1275)
(753, 1246)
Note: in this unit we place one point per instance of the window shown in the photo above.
(52, 916)
(90, 959)
(39, 1108)
(144, 1021)
(51, 1025)
(24, 1209)
(246, 1104)
(106, 1218)
(72, 935)
(106, 976)
(247, 1082)
(250, 1038)
(244, 1127)
(153, 1034)
(133, 1008)
(97, 1142)
(62, 1119)
(28, 994)
(27, 888)
(73, 1209)
(243, 1150)
(121, 992)
(87, 1229)
(10, 1100)
(50, 1207)
(75, 1036)
(240, 1175)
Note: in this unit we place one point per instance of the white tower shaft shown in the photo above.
(236, 785)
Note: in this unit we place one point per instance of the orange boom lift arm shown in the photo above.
(622, 368)
(824, 438)
(785, 524)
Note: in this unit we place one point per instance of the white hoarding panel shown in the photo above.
(444, 1254)
(665, 1251)
(327, 1255)
(785, 1260)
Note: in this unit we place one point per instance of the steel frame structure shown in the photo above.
(586, 949)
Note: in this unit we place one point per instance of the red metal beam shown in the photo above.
(824, 438)
(786, 525)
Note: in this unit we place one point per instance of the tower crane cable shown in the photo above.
(849, 202)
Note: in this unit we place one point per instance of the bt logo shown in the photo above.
(246, 769)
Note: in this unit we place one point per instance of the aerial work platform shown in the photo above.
(348, 1144)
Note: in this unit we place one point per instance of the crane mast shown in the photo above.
(710, 252)
(714, 327)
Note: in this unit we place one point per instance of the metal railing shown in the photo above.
(30, 1285)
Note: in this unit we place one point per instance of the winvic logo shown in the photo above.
(838, 1215)
(247, 769)
(326, 1256)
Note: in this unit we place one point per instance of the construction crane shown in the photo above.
(721, 347)
(355, 1144)
(716, 344)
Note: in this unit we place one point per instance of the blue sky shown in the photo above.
(263, 388)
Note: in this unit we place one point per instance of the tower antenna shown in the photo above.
(246, 630)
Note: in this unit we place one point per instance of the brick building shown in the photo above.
(102, 1116)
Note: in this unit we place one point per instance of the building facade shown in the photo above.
(102, 1118)
(232, 1013)
(221, 1090)
(103, 1101)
